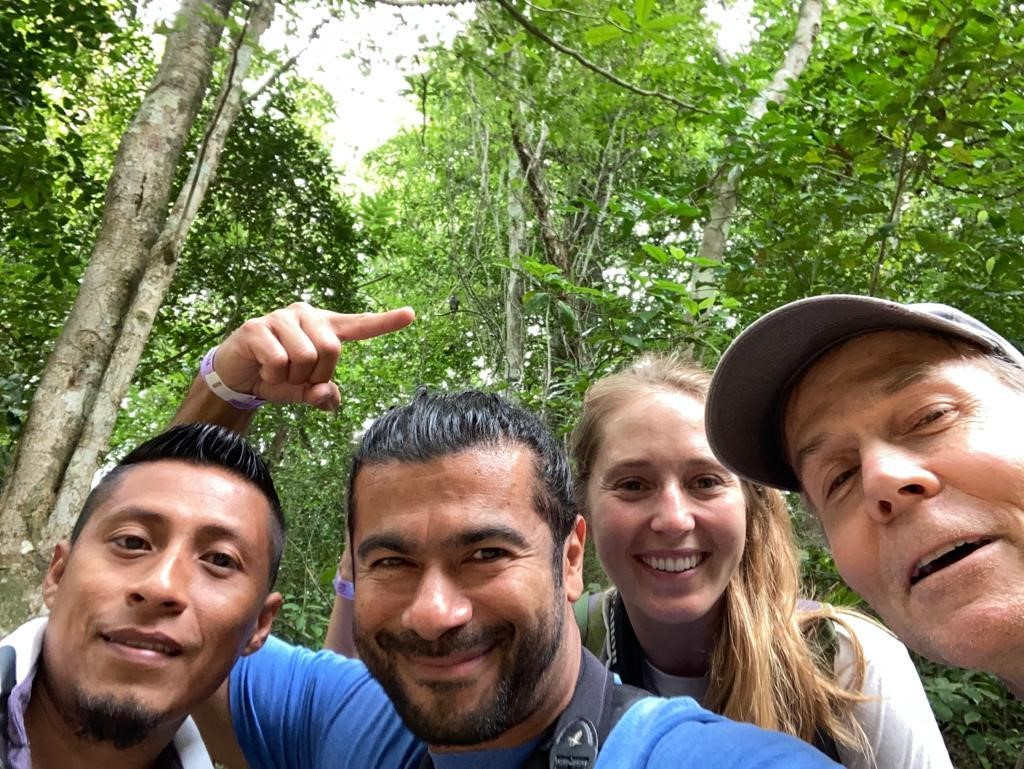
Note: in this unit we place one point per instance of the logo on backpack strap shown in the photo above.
(575, 747)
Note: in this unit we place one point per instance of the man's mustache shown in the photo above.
(454, 641)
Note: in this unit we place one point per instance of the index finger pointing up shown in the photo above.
(370, 324)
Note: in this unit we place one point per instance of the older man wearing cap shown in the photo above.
(902, 425)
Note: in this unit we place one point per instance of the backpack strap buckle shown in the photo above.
(575, 746)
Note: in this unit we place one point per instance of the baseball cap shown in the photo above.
(752, 380)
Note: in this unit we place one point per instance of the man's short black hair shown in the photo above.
(205, 445)
(435, 425)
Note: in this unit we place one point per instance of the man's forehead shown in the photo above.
(883, 360)
(484, 460)
(485, 482)
(865, 368)
(168, 491)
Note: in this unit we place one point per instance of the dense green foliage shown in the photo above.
(891, 167)
(68, 77)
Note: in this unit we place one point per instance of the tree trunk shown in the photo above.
(530, 163)
(514, 286)
(723, 204)
(134, 212)
(161, 263)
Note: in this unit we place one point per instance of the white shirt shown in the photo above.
(897, 718)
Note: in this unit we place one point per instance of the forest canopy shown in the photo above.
(588, 180)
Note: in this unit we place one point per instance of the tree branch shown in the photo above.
(529, 162)
(416, 3)
(276, 74)
(540, 34)
(723, 206)
(575, 14)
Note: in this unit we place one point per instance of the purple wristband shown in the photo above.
(238, 400)
(344, 588)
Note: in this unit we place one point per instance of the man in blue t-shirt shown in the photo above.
(468, 556)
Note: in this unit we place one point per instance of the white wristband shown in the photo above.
(221, 390)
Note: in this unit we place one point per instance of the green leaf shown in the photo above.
(656, 253)
(535, 302)
(961, 155)
(673, 287)
(665, 22)
(977, 743)
(539, 269)
(633, 341)
(601, 34)
(567, 315)
(942, 711)
(683, 210)
(642, 10)
(620, 17)
(936, 244)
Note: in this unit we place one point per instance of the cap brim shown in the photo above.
(753, 378)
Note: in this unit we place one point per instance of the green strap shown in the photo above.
(582, 611)
(590, 621)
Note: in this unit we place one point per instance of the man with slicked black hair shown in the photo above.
(468, 557)
(164, 582)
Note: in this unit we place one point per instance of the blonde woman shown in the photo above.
(706, 583)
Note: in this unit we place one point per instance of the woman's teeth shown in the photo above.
(673, 564)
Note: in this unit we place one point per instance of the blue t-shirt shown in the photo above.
(296, 709)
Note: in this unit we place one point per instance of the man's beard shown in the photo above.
(519, 687)
(123, 721)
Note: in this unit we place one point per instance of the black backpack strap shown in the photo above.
(626, 655)
(596, 706)
(824, 742)
(8, 678)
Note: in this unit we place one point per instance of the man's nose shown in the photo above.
(895, 480)
(437, 606)
(163, 582)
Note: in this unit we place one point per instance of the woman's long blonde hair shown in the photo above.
(762, 668)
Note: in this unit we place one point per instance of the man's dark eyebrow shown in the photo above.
(135, 512)
(210, 531)
(476, 536)
(392, 542)
(396, 543)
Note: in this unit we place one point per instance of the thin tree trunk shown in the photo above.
(134, 213)
(161, 263)
(723, 205)
(530, 163)
(514, 357)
